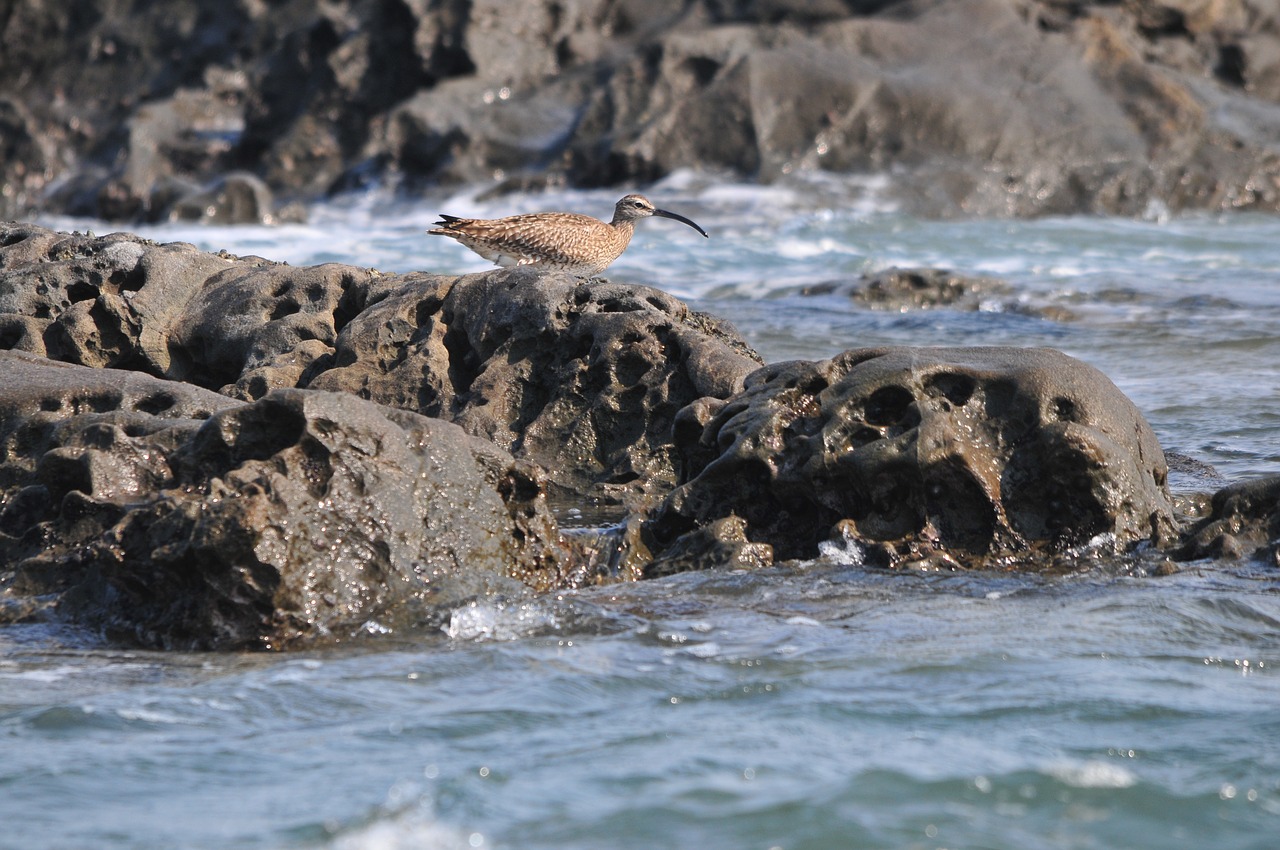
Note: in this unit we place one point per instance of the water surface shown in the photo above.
(813, 705)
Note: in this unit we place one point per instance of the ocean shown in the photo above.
(815, 704)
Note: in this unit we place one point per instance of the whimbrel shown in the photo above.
(578, 244)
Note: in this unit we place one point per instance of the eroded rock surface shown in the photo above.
(981, 456)
(583, 379)
(171, 516)
(262, 455)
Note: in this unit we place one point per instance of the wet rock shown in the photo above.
(1243, 522)
(620, 393)
(584, 379)
(173, 517)
(720, 544)
(903, 290)
(980, 457)
(915, 289)
(81, 443)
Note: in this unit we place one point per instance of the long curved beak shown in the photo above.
(679, 217)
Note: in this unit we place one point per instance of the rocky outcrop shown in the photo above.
(901, 290)
(978, 457)
(583, 380)
(217, 451)
(171, 516)
(230, 111)
(1243, 522)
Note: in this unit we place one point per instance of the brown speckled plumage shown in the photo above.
(568, 242)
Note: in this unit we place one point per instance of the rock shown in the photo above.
(987, 107)
(237, 198)
(1243, 522)
(582, 379)
(901, 290)
(620, 393)
(172, 517)
(720, 544)
(471, 131)
(80, 445)
(181, 139)
(120, 301)
(97, 301)
(983, 457)
(26, 159)
(964, 102)
(252, 319)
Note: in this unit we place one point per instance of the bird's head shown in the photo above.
(634, 207)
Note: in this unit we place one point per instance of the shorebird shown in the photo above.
(578, 244)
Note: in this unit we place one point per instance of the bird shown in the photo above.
(568, 242)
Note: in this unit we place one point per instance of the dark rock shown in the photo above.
(26, 159)
(720, 544)
(170, 516)
(904, 290)
(984, 457)
(955, 99)
(993, 457)
(976, 106)
(67, 431)
(470, 131)
(915, 289)
(172, 310)
(237, 198)
(583, 379)
(98, 301)
(1243, 522)
(251, 321)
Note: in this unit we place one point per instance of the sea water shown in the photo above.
(818, 704)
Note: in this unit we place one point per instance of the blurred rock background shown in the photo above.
(249, 110)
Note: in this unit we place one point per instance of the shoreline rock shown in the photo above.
(976, 107)
(202, 450)
(172, 517)
(986, 457)
(583, 380)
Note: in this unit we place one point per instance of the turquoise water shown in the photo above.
(813, 705)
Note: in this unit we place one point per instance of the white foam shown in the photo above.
(710, 649)
(499, 620)
(846, 552)
(412, 831)
(793, 248)
(1093, 774)
(44, 674)
(146, 715)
